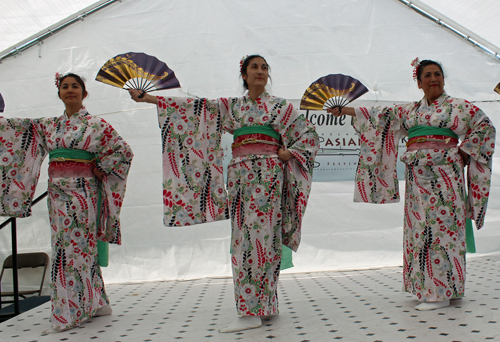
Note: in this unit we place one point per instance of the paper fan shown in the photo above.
(497, 88)
(2, 104)
(332, 91)
(134, 70)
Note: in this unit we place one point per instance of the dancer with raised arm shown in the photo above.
(445, 134)
(269, 179)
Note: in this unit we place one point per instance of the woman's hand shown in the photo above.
(336, 111)
(98, 173)
(135, 93)
(284, 155)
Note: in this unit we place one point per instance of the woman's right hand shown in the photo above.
(336, 111)
(135, 93)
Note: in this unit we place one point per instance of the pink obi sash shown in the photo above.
(435, 142)
(255, 143)
(74, 169)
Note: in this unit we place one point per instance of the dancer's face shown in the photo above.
(431, 82)
(257, 73)
(71, 92)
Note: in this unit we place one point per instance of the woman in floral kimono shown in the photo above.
(269, 179)
(89, 163)
(436, 203)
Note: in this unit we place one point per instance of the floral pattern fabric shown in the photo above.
(265, 199)
(77, 289)
(436, 205)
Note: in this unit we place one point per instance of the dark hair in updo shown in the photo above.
(77, 78)
(425, 63)
(245, 64)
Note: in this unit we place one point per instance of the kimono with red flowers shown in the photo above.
(77, 288)
(267, 197)
(436, 204)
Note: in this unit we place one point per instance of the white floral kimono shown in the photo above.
(436, 206)
(77, 288)
(267, 198)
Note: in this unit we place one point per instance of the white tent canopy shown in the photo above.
(203, 41)
(24, 20)
(480, 17)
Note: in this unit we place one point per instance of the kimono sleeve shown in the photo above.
(193, 181)
(114, 158)
(376, 175)
(22, 150)
(479, 144)
(299, 136)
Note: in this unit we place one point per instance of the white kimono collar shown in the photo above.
(437, 103)
(262, 96)
(83, 111)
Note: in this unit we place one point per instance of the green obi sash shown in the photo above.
(62, 154)
(68, 154)
(417, 131)
(259, 129)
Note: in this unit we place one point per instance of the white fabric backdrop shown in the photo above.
(203, 41)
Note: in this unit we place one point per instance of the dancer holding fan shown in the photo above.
(269, 179)
(89, 163)
(436, 205)
(136, 70)
(332, 91)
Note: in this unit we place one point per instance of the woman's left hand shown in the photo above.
(98, 173)
(135, 93)
(284, 155)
